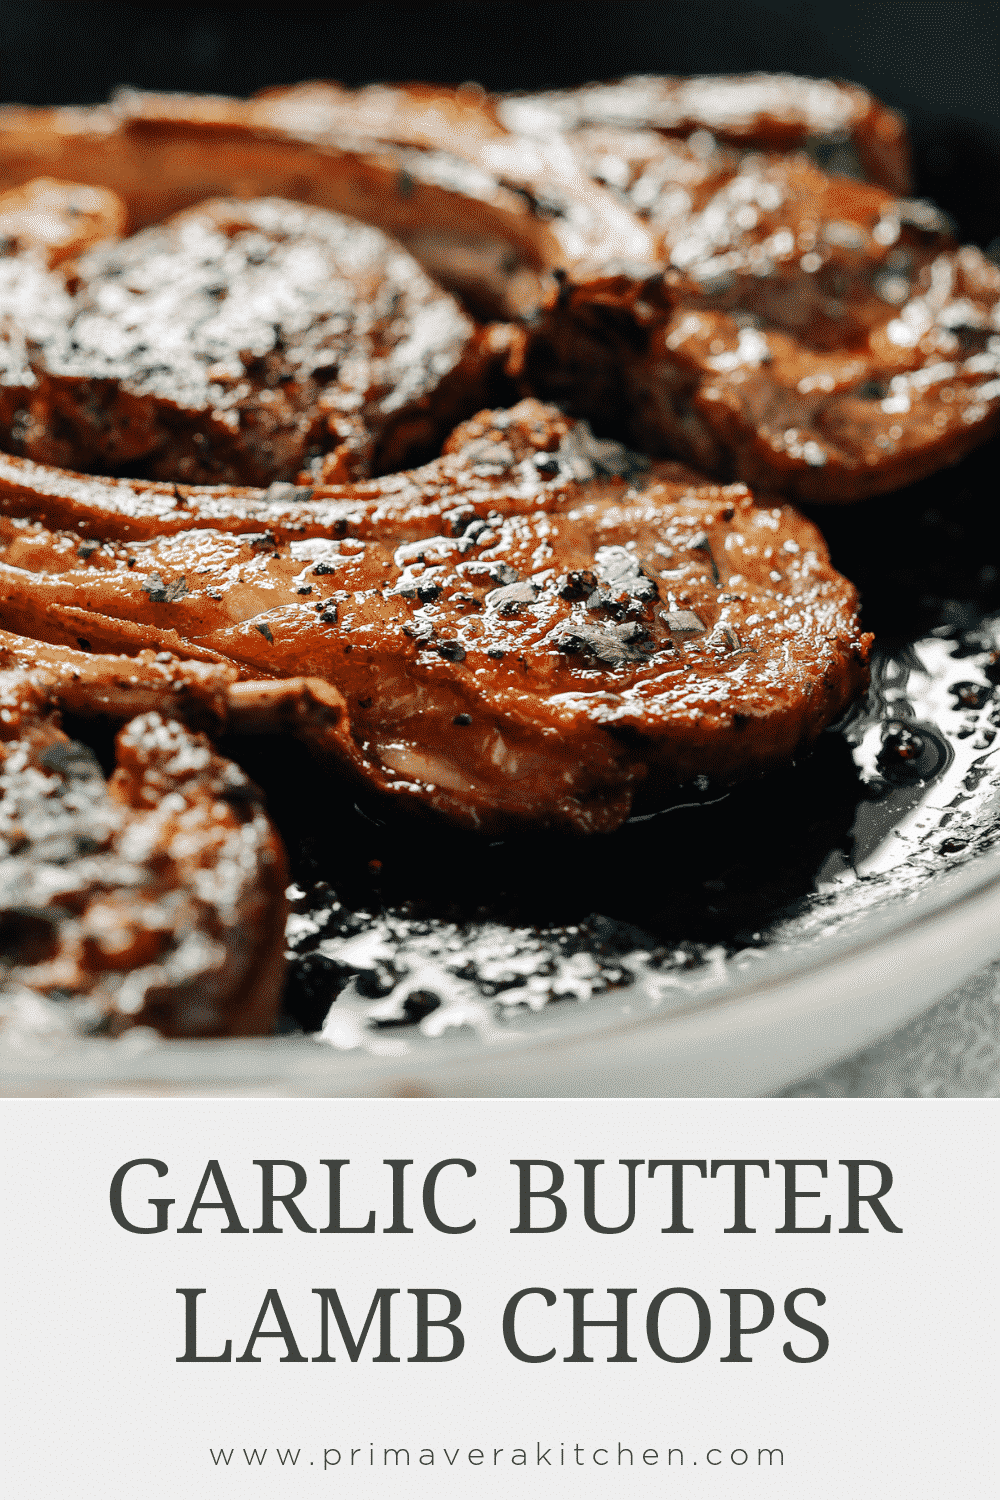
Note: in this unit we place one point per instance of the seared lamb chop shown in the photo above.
(841, 125)
(239, 340)
(520, 636)
(802, 331)
(809, 334)
(704, 296)
(43, 224)
(486, 211)
(155, 898)
(488, 194)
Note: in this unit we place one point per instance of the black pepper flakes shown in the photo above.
(279, 492)
(503, 574)
(265, 631)
(577, 585)
(463, 720)
(450, 650)
(458, 519)
(87, 549)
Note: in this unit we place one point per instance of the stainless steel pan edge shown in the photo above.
(747, 1036)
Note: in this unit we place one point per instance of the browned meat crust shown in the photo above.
(236, 342)
(484, 210)
(519, 636)
(208, 696)
(533, 628)
(810, 334)
(674, 243)
(155, 898)
(488, 194)
(843, 126)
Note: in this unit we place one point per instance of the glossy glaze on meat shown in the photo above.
(841, 125)
(43, 225)
(658, 202)
(155, 898)
(519, 636)
(806, 333)
(490, 195)
(237, 342)
(536, 629)
(485, 211)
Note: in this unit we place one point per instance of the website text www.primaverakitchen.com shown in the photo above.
(536, 1456)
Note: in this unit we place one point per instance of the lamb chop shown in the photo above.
(696, 288)
(801, 330)
(234, 343)
(488, 194)
(486, 211)
(841, 125)
(810, 334)
(529, 629)
(155, 898)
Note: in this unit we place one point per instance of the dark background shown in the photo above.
(935, 59)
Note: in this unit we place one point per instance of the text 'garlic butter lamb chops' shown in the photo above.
(519, 637)
(235, 343)
(155, 898)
